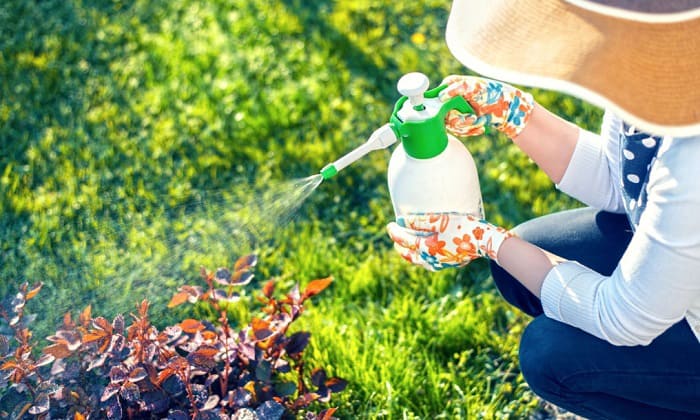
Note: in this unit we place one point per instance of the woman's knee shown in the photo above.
(542, 356)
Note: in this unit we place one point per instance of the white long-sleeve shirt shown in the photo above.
(657, 282)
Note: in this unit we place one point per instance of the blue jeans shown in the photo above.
(584, 374)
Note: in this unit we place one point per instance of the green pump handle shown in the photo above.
(427, 138)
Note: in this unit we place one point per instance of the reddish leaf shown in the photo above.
(118, 324)
(241, 278)
(164, 374)
(191, 326)
(245, 262)
(138, 374)
(268, 289)
(85, 317)
(336, 384)
(143, 309)
(8, 365)
(95, 336)
(117, 374)
(318, 377)
(59, 351)
(130, 392)
(41, 404)
(223, 276)
(67, 321)
(209, 335)
(44, 360)
(259, 324)
(193, 291)
(70, 339)
(317, 286)
(178, 299)
(297, 343)
(206, 351)
(211, 402)
(109, 391)
(102, 324)
(219, 294)
(327, 414)
(35, 289)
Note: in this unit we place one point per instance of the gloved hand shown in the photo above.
(498, 105)
(440, 240)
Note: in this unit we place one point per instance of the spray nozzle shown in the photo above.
(382, 138)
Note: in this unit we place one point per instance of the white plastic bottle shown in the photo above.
(430, 170)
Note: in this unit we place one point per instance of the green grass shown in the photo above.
(142, 139)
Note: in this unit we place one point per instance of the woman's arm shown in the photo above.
(549, 141)
(656, 281)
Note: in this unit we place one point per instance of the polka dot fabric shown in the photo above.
(638, 152)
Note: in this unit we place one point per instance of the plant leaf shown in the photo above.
(118, 324)
(336, 384)
(269, 288)
(261, 329)
(114, 410)
(245, 262)
(318, 377)
(270, 410)
(297, 343)
(45, 359)
(59, 351)
(178, 299)
(203, 357)
(138, 374)
(316, 286)
(117, 374)
(284, 389)
(327, 414)
(263, 371)
(143, 308)
(211, 402)
(130, 392)
(33, 292)
(223, 276)
(177, 415)
(102, 324)
(42, 403)
(241, 278)
(240, 397)
(191, 326)
(109, 391)
(85, 317)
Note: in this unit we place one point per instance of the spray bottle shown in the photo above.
(430, 170)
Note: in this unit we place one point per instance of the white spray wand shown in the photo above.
(382, 138)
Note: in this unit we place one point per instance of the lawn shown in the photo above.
(140, 140)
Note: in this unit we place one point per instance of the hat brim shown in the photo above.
(647, 73)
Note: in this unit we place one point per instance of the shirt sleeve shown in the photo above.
(656, 280)
(592, 174)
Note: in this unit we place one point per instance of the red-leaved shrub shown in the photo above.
(196, 369)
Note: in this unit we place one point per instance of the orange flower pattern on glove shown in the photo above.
(495, 104)
(441, 240)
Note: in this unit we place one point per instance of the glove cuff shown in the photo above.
(490, 238)
(521, 106)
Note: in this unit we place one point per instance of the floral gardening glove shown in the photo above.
(440, 240)
(495, 104)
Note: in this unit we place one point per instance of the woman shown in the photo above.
(615, 287)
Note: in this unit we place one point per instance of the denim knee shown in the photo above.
(540, 357)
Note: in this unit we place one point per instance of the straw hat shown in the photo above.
(639, 58)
